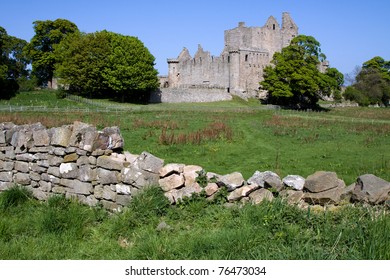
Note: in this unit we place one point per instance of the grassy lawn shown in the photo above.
(222, 137)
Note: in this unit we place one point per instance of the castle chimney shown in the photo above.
(241, 24)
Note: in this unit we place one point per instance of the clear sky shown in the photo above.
(350, 31)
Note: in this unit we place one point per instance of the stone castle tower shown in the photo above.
(239, 68)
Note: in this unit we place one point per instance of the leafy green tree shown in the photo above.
(48, 34)
(13, 63)
(81, 60)
(295, 79)
(372, 84)
(130, 72)
(106, 63)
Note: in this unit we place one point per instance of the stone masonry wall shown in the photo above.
(80, 162)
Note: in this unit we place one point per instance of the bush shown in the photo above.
(14, 196)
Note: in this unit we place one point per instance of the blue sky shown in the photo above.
(350, 32)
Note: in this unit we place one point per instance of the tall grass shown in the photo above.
(150, 228)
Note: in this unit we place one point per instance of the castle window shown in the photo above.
(229, 59)
(246, 58)
(273, 26)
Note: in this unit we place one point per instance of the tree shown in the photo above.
(81, 60)
(130, 72)
(295, 80)
(48, 34)
(372, 85)
(13, 63)
(106, 63)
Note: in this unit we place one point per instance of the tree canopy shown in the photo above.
(372, 85)
(48, 34)
(294, 79)
(13, 63)
(106, 64)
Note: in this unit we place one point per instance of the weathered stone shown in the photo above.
(22, 179)
(6, 165)
(148, 162)
(90, 200)
(21, 166)
(232, 181)
(10, 154)
(371, 189)
(267, 179)
(81, 152)
(69, 170)
(45, 186)
(108, 193)
(293, 197)
(54, 160)
(107, 177)
(241, 192)
(139, 178)
(41, 137)
(26, 157)
(83, 160)
(34, 176)
(110, 163)
(92, 160)
(260, 195)
(2, 137)
(211, 189)
(294, 181)
(58, 190)
(22, 139)
(191, 174)
(176, 195)
(6, 176)
(130, 157)
(55, 171)
(86, 173)
(171, 182)
(116, 141)
(40, 194)
(83, 136)
(61, 136)
(123, 199)
(45, 149)
(98, 191)
(71, 157)
(123, 189)
(171, 168)
(76, 186)
(322, 181)
(330, 196)
(58, 151)
(5, 185)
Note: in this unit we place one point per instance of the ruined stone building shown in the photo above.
(239, 68)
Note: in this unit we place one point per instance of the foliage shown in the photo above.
(14, 196)
(106, 64)
(48, 34)
(372, 84)
(295, 80)
(81, 60)
(13, 64)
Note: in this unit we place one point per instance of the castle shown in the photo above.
(239, 68)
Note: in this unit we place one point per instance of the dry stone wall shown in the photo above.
(80, 162)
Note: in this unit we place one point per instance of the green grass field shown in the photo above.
(221, 137)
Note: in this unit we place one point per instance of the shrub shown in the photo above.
(14, 196)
